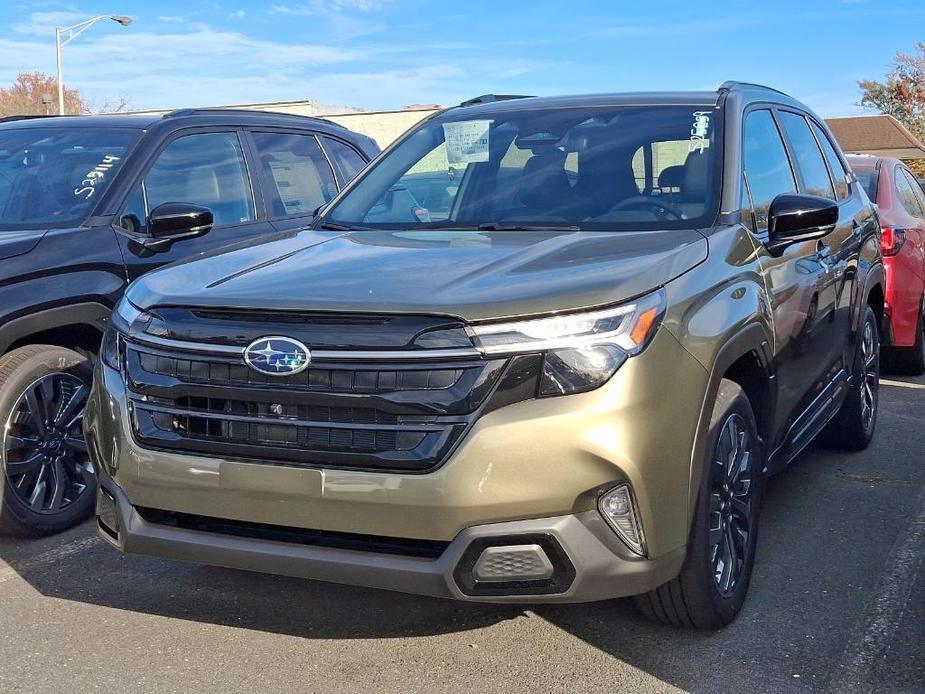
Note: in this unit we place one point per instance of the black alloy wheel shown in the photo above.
(44, 453)
(869, 390)
(731, 509)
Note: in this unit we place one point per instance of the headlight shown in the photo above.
(581, 350)
(111, 349)
(126, 315)
(126, 319)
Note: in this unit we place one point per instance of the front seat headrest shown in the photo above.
(696, 179)
(544, 182)
(671, 177)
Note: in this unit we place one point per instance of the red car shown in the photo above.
(901, 203)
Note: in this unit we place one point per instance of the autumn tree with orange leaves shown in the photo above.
(24, 97)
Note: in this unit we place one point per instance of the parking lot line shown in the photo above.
(874, 633)
(901, 384)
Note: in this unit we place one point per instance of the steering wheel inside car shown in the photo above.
(662, 210)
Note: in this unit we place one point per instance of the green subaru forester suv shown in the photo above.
(540, 350)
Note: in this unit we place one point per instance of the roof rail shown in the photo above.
(6, 119)
(489, 98)
(729, 85)
(176, 113)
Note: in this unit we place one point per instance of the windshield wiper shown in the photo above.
(333, 226)
(497, 226)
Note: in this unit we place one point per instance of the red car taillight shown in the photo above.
(891, 240)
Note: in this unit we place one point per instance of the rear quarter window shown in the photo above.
(869, 180)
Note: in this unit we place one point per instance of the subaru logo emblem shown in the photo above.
(277, 356)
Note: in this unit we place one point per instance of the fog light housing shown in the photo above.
(513, 563)
(618, 507)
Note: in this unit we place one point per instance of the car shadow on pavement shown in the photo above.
(87, 570)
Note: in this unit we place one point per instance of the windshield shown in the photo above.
(597, 168)
(51, 177)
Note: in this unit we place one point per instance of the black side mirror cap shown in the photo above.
(794, 218)
(175, 221)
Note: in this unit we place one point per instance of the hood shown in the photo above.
(13, 243)
(469, 275)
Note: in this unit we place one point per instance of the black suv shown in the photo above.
(543, 349)
(87, 204)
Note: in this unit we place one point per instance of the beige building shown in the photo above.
(383, 126)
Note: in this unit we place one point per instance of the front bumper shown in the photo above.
(535, 468)
(598, 567)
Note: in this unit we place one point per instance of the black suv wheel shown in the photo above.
(853, 426)
(711, 588)
(48, 480)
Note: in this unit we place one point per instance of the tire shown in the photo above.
(48, 481)
(853, 427)
(910, 361)
(703, 596)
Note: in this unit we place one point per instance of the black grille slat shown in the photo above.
(391, 416)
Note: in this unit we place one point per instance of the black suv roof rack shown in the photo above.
(176, 113)
(7, 119)
(489, 98)
(729, 85)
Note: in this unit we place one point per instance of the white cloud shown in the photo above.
(237, 14)
(44, 23)
(322, 7)
(178, 63)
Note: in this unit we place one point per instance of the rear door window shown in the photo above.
(297, 178)
(917, 189)
(807, 155)
(905, 189)
(766, 164)
(839, 174)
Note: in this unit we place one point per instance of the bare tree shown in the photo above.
(120, 104)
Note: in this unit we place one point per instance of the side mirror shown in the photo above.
(174, 221)
(795, 218)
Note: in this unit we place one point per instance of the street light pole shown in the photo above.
(71, 33)
(60, 78)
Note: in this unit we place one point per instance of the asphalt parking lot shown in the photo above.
(837, 604)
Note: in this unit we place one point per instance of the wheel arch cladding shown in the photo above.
(745, 359)
(77, 326)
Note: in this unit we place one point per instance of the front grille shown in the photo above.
(341, 380)
(400, 415)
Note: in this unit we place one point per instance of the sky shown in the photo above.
(383, 54)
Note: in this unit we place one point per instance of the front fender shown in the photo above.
(721, 312)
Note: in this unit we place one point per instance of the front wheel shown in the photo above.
(48, 481)
(853, 427)
(711, 588)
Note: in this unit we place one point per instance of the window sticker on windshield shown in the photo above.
(699, 131)
(94, 176)
(466, 141)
